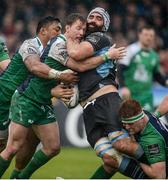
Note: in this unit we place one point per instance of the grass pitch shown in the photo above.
(71, 163)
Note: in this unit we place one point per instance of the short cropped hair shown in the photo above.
(46, 21)
(73, 18)
(148, 27)
(129, 108)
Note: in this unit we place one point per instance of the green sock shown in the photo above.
(14, 174)
(38, 160)
(4, 164)
(102, 174)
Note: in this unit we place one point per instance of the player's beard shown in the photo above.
(93, 28)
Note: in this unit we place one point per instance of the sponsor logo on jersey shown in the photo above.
(153, 149)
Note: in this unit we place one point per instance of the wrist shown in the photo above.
(157, 114)
(54, 74)
(105, 56)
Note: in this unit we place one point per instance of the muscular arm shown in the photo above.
(163, 107)
(156, 170)
(79, 51)
(93, 62)
(81, 66)
(43, 70)
(36, 67)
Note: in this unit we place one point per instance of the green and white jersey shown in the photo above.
(39, 89)
(138, 77)
(17, 72)
(3, 51)
(154, 141)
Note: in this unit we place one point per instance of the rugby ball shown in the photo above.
(73, 101)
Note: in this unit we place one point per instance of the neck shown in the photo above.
(144, 47)
(43, 40)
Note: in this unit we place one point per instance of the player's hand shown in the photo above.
(125, 93)
(69, 76)
(62, 92)
(116, 53)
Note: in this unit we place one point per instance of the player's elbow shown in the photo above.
(34, 69)
(75, 54)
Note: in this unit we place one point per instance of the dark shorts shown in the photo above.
(101, 117)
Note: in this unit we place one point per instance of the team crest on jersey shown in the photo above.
(153, 149)
(31, 51)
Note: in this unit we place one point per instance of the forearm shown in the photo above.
(163, 108)
(87, 64)
(153, 173)
(42, 70)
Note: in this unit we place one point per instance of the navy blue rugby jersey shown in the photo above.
(104, 74)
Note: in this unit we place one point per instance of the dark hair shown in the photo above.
(46, 21)
(129, 108)
(73, 18)
(148, 27)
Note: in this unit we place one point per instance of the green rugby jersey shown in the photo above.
(17, 71)
(138, 76)
(3, 51)
(154, 140)
(39, 89)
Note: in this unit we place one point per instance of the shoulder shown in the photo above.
(29, 44)
(98, 40)
(98, 36)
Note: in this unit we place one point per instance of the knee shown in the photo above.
(13, 148)
(53, 150)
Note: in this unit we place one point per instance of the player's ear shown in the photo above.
(67, 28)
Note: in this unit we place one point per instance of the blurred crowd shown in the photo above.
(18, 19)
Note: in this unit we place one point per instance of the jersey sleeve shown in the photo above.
(59, 52)
(3, 52)
(28, 48)
(154, 150)
(98, 40)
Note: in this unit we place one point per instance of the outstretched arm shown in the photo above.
(162, 108)
(40, 69)
(91, 63)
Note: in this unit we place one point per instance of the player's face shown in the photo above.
(76, 31)
(147, 37)
(53, 30)
(134, 127)
(95, 22)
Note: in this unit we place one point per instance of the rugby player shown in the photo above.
(100, 99)
(35, 98)
(151, 134)
(26, 61)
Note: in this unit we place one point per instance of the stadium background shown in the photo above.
(18, 19)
